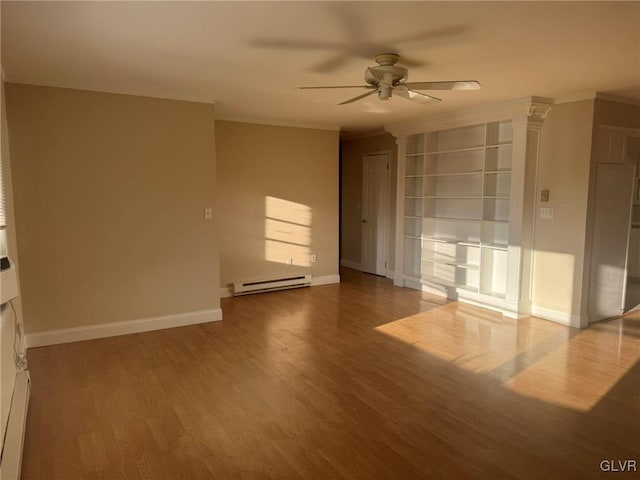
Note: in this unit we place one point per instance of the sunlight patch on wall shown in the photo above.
(553, 275)
(287, 231)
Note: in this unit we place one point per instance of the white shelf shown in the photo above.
(452, 242)
(470, 266)
(475, 172)
(446, 283)
(454, 219)
(465, 177)
(454, 197)
(494, 246)
(456, 150)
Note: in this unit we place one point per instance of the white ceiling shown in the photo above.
(249, 57)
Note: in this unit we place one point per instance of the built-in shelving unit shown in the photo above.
(457, 192)
(461, 207)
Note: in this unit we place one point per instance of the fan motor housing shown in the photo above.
(376, 75)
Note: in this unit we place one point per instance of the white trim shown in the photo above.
(14, 439)
(274, 123)
(348, 137)
(500, 305)
(226, 292)
(351, 264)
(77, 334)
(114, 91)
(324, 280)
(577, 97)
(627, 131)
(391, 274)
(615, 98)
(564, 318)
(529, 107)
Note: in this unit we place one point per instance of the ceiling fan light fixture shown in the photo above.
(384, 91)
(387, 76)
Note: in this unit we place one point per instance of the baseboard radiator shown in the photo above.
(270, 285)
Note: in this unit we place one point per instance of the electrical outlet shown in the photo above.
(208, 213)
(289, 261)
(547, 212)
(314, 259)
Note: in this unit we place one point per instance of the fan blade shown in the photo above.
(282, 44)
(341, 86)
(455, 85)
(354, 99)
(331, 64)
(417, 97)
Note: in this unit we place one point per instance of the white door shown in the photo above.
(611, 224)
(375, 213)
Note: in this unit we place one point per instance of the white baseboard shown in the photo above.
(226, 291)
(324, 280)
(351, 264)
(77, 334)
(564, 318)
(14, 437)
(391, 274)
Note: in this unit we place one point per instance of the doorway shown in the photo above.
(632, 292)
(375, 212)
(613, 287)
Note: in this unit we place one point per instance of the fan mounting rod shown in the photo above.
(387, 59)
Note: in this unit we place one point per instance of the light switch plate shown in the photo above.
(547, 212)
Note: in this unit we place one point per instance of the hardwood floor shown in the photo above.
(357, 380)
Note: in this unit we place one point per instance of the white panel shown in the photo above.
(613, 194)
(494, 272)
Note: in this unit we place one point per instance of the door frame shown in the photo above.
(586, 317)
(387, 217)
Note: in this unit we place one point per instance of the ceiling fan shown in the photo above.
(387, 78)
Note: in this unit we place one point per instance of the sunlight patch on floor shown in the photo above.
(533, 357)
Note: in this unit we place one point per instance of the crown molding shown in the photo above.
(347, 137)
(113, 91)
(275, 123)
(615, 98)
(578, 97)
(531, 108)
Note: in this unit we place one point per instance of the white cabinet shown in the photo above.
(462, 191)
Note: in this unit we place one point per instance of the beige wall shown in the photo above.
(559, 244)
(278, 199)
(352, 153)
(109, 196)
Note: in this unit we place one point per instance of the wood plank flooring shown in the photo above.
(357, 380)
